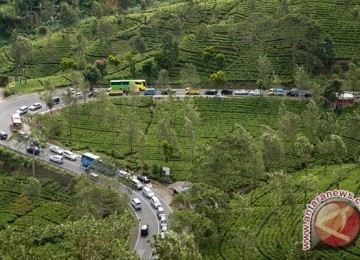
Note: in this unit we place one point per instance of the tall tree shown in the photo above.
(131, 124)
(218, 79)
(352, 78)
(265, 70)
(71, 111)
(188, 76)
(79, 45)
(282, 189)
(272, 150)
(48, 94)
(192, 118)
(176, 247)
(21, 52)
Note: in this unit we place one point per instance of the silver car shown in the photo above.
(35, 106)
(69, 155)
(56, 149)
(56, 159)
(22, 110)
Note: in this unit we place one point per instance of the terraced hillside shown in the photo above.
(93, 131)
(261, 224)
(238, 31)
(52, 205)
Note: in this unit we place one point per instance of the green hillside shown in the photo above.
(217, 116)
(261, 221)
(52, 206)
(305, 33)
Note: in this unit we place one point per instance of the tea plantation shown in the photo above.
(262, 223)
(233, 28)
(51, 205)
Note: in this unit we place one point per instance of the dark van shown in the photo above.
(56, 100)
(3, 135)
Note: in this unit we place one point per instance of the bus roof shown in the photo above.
(92, 156)
(16, 117)
(126, 80)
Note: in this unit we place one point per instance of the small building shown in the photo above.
(179, 186)
(344, 100)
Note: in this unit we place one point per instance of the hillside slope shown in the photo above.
(234, 28)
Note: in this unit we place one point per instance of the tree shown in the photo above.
(303, 150)
(218, 79)
(148, 69)
(91, 74)
(272, 150)
(79, 46)
(265, 69)
(23, 204)
(205, 200)
(86, 238)
(71, 110)
(68, 64)
(21, 51)
(232, 153)
(98, 202)
(105, 30)
(351, 130)
(310, 186)
(288, 126)
(163, 80)
(131, 123)
(332, 89)
(334, 147)
(192, 118)
(302, 79)
(203, 229)
(132, 63)
(188, 76)
(47, 95)
(282, 189)
(138, 44)
(352, 78)
(68, 15)
(176, 247)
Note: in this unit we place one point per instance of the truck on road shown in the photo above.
(276, 92)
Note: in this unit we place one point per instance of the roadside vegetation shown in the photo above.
(47, 219)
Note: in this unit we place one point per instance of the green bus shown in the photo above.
(118, 87)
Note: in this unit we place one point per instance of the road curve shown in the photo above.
(147, 215)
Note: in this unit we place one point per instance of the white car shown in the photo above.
(69, 155)
(161, 212)
(35, 106)
(56, 149)
(22, 110)
(255, 92)
(56, 158)
(148, 192)
(155, 202)
(135, 203)
(122, 173)
(241, 92)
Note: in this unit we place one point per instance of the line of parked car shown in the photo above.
(24, 109)
(154, 201)
(60, 153)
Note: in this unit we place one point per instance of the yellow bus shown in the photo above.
(15, 122)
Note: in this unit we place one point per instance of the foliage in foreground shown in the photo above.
(86, 238)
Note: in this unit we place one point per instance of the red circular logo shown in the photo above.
(337, 223)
